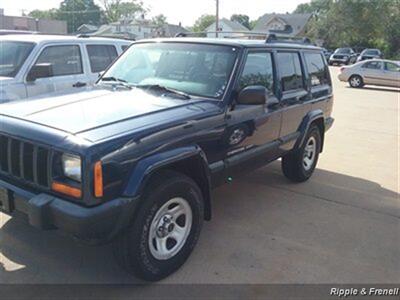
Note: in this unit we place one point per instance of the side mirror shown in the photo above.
(253, 95)
(40, 71)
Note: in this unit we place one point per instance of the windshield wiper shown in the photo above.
(118, 81)
(163, 88)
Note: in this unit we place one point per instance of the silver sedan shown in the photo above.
(375, 72)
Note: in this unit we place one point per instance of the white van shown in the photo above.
(34, 64)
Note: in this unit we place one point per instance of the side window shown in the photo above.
(258, 70)
(101, 56)
(375, 65)
(290, 70)
(391, 67)
(65, 60)
(316, 68)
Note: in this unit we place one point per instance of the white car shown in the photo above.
(375, 72)
(34, 65)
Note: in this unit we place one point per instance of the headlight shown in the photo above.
(72, 166)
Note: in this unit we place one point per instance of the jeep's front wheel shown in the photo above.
(298, 166)
(165, 229)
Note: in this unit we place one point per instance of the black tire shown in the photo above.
(132, 249)
(356, 81)
(293, 166)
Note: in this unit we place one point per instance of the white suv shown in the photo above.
(33, 65)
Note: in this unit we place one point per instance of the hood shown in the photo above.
(95, 109)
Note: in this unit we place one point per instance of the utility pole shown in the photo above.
(217, 18)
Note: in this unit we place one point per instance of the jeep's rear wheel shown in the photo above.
(356, 81)
(298, 166)
(165, 229)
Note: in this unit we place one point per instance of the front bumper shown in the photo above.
(44, 211)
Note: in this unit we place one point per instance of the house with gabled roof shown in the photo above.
(290, 25)
(225, 26)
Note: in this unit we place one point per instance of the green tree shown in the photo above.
(114, 10)
(44, 14)
(355, 23)
(78, 12)
(242, 19)
(203, 22)
(159, 20)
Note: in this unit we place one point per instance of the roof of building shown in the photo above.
(171, 29)
(296, 21)
(236, 26)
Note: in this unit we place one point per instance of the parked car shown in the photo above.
(369, 54)
(343, 56)
(36, 64)
(375, 72)
(327, 53)
(133, 159)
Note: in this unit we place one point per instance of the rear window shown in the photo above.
(290, 70)
(101, 56)
(317, 69)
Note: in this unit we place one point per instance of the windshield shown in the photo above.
(12, 56)
(371, 52)
(343, 50)
(195, 69)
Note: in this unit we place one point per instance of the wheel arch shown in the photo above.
(315, 117)
(189, 160)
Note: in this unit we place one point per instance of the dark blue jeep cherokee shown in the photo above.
(133, 160)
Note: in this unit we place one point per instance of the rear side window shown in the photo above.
(258, 70)
(375, 65)
(101, 56)
(392, 67)
(290, 70)
(65, 60)
(316, 69)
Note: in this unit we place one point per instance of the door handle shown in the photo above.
(79, 84)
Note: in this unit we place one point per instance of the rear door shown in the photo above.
(100, 56)
(318, 80)
(293, 91)
(67, 68)
(391, 74)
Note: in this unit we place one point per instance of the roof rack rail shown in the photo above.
(239, 33)
(273, 38)
(269, 37)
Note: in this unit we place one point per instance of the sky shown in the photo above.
(185, 11)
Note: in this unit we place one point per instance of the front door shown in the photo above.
(67, 70)
(372, 72)
(252, 129)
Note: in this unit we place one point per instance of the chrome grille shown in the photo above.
(25, 161)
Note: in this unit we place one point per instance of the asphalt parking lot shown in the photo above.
(342, 226)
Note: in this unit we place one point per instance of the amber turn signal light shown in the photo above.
(66, 189)
(98, 180)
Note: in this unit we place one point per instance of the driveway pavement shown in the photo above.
(342, 226)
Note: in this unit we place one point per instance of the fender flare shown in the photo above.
(143, 170)
(306, 123)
